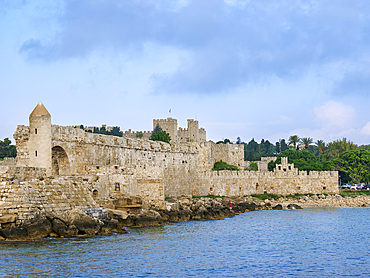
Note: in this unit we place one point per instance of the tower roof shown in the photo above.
(40, 110)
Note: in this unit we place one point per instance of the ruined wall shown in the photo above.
(229, 153)
(25, 191)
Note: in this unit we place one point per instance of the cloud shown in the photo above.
(230, 43)
(366, 129)
(335, 115)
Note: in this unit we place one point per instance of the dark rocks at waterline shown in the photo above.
(71, 224)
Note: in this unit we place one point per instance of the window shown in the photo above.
(117, 187)
(35, 130)
(35, 153)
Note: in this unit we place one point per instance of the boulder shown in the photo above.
(277, 207)
(117, 214)
(148, 218)
(8, 218)
(39, 227)
(15, 234)
(85, 224)
(294, 206)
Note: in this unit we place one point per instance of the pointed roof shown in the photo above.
(40, 110)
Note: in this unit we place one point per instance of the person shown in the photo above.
(231, 205)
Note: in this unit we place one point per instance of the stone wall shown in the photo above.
(229, 153)
(240, 183)
(26, 191)
(8, 161)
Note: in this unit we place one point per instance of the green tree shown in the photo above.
(283, 145)
(116, 131)
(320, 145)
(294, 139)
(6, 149)
(251, 151)
(336, 148)
(239, 140)
(277, 147)
(220, 165)
(253, 166)
(156, 129)
(354, 164)
(139, 134)
(161, 136)
(303, 160)
(306, 141)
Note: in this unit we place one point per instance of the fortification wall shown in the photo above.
(8, 161)
(96, 153)
(232, 183)
(26, 191)
(229, 153)
(132, 134)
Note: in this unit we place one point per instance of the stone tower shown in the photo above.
(39, 144)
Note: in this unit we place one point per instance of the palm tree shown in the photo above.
(320, 144)
(294, 139)
(306, 141)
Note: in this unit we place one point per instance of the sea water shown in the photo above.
(325, 242)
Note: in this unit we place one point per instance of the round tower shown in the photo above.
(39, 144)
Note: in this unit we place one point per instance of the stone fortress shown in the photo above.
(183, 135)
(59, 168)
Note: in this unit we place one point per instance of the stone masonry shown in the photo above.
(63, 167)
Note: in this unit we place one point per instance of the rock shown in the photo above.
(63, 230)
(148, 218)
(117, 214)
(2, 238)
(15, 234)
(39, 227)
(85, 224)
(52, 234)
(294, 206)
(8, 218)
(277, 207)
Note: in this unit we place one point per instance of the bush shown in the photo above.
(220, 165)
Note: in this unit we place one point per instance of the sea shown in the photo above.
(314, 242)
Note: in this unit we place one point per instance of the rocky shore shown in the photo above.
(98, 221)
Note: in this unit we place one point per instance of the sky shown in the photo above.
(254, 69)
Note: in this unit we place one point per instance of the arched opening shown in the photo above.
(60, 162)
(95, 194)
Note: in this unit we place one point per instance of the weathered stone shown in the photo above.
(8, 218)
(277, 207)
(15, 234)
(39, 228)
(85, 224)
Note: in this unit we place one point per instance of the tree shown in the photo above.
(239, 140)
(220, 165)
(161, 136)
(283, 145)
(139, 134)
(294, 139)
(156, 129)
(336, 148)
(277, 147)
(355, 165)
(320, 145)
(303, 160)
(306, 141)
(251, 151)
(6, 149)
(116, 131)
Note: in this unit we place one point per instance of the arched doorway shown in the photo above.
(60, 162)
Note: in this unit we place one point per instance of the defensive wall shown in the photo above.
(63, 167)
(26, 191)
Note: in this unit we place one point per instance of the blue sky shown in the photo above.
(254, 69)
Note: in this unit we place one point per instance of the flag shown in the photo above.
(169, 111)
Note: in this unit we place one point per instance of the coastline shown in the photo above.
(77, 223)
